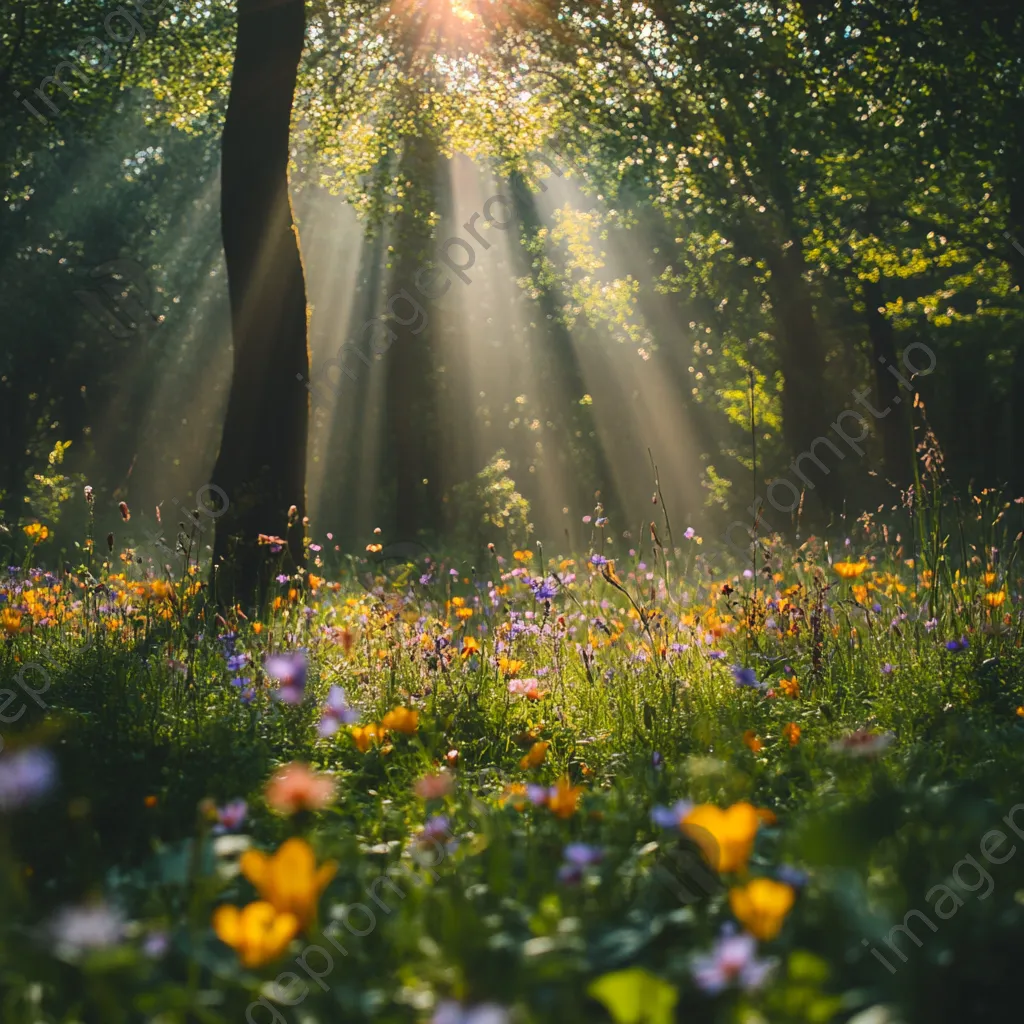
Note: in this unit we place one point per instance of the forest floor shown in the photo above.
(555, 789)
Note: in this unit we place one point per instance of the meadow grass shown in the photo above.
(545, 788)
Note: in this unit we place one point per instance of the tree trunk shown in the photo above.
(897, 443)
(261, 466)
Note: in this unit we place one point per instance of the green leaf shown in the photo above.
(636, 996)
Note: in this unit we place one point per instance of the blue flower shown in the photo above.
(670, 817)
(543, 589)
(957, 645)
(745, 677)
(598, 560)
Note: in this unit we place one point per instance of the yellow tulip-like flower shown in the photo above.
(850, 570)
(995, 599)
(365, 735)
(535, 755)
(725, 837)
(401, 720)
(564, 798)
(289, 880)
(10, 621)
(258, 933)
(762, 906)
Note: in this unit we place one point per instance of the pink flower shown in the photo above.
(434, 787)
(295, 787)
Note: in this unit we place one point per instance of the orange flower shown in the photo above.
(790, 687)
(754, 745)
(257, 933)
(850, 570)
(564, 798)
(535, 755)
(988, 578)
(365, 735)
(470, 646)
(296, 788)
(791, 732)
(510, 666)
(996, 599)
(725, 837)
(762, 906)
(860, 593)
(523, 556)
(515, 794)
(403, 720)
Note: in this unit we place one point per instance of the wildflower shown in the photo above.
(746, 677)
(791, 733)
(791, 876)
(470, 646)
(290, 671)
(887, 669)
(78, 930)
(762, 906)
(258, 933)
(336, 713)
(752, 743)
(725, 837)
(434, 787)
(689, 533)
(671, 817)
(544, 589)
(930, 624)
(527, 687)
(436, 829)
(790, 687)
(10, 621)
(230, 817)
(523, 556)
(578, 857)
(732, 959)
(26, 776)
(535, 756)
(510, 666)
(564, 798)
(598, 560)
(289, 880)
(956, 646)
(248, 693)
(995, 600)
(296, 788)
(366, 735)
(863, 743)
(156, 944)
(850, 570)
(403, 720)
(87, 491)
(451, 1012)
(657, 761)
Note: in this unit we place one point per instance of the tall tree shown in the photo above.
(261, 466)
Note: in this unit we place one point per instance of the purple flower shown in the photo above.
(336, 713)
(957, 645)
(598, 560)
(930, 624)
(745, 677)
(282, 577)
(451, 1012)
(671, 817)
(425, 579)
(791, 876)
(236, 662)
(227, 643)
(437, 827)
(543, 589)
(887, 669)
(289, 670)
(876, 608)
(716, 655)
(231, 817)
(690, 533)
(453, 572)
(156, 944)
(537, 795)
(26, 776)
(578, 857)
(732, 959)
(657, 761)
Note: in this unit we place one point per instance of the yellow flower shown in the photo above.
(790, 687)
(10, 621)
(860, 593)
(996, 599)
(725, 837)
(37, 532)
(564, 798)
(401, 720)
(510, 666)
(791, 732)
(365, 735)
(988, 578)
(535, 756)
(464, 613)
(1020, 712)
(523, 556)
(762, 906)
(752, 742)
(289, 880)
(850, 570)
(470, 645)
(257, 933)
